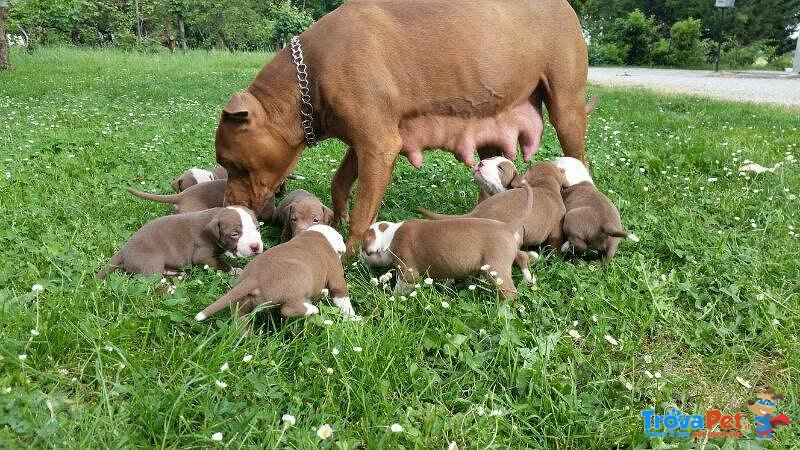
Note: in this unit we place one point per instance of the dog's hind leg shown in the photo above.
(298, 308)
(521, 261)
(342, 186)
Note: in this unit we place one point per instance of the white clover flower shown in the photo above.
(221, 384)
(663, 277)
(7, 390)
(329, 370)
(493, 273)
(413, 294)
(594, 318)
(574, 334)
(452, 446)
(648, 359)
(357, 349)
(611, 340)
(485, 267)
(325, 431)
(657, 374)
(335, 351)
(471, 287)
(216, 436)
(288, 420)
(743, 382)
(34, 332)
(498, 281)
(23, 357)
(648, 374)
(445, 305)
(324, 292)
(480, 411)
(247, 358)
(429, 281)
(396, 428)
(37, 288)
(223, 367)
(496, 413)
(327, 322)
(374, 281)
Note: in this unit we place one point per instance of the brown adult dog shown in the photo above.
(196, 176)
(196, 198)
(299, 211)
(452, 248)
(399, 77)
(543, 221)
(166, 244)
(291, 275)
(591, 221)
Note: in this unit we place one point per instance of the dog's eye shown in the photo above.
(500, 169)
(235, 234)
(294, 219)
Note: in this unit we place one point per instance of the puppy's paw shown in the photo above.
(236, 271)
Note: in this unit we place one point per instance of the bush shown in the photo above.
(759, 54)
(608, 54)
(635, 34)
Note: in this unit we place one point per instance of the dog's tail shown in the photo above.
(171, 198)
(237, 292)
(113, 264)
(620, 234)
(436, 216)
(591, 104)
(516, 224)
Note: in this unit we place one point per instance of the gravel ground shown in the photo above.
(758, 87)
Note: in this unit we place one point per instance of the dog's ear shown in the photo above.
(518, 181)
(214, 229)
(778, 396)
(327, 215)
(236, 109)
(564, 182)
(751, 402)
(176, 185)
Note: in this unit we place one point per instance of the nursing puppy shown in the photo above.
(451, 248)
(196, 198)
(291, 275)
(166, 244)
(495, 175)
(543, 221)
(196, 176)
(591, 221)
(299, 211)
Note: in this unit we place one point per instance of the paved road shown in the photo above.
(759, 87)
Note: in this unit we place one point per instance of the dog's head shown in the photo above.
(574, 170)
(235, 229)
(376, 242)
(191, 177)
(255, 154)
(334, 238)
(495, 175)
(542, 173)
(307, 212)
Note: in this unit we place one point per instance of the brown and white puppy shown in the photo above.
(495, 175)
(543, 221)
(196, 198)
(168, 243)
(196, 176)
(299, 211)
(450, 248)
(591, 221)
(291, 275)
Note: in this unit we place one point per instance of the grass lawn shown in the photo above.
(708, 297)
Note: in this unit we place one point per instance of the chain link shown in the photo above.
(306, 107)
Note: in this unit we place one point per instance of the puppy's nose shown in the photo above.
(254, 246)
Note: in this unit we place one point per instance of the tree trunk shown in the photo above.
(138, 20)
(5, 64)
(168, 37)
(797, 53)
(26, 40)
(182, 29)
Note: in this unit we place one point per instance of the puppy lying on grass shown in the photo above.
(291, 275)
(299, 211)
(195, 176)
(591, 221)
(451, 248)
(168, 243)
(543, 222)
(196, 198)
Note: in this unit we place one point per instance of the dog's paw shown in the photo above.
(236, 271)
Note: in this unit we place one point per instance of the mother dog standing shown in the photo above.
(398, 77)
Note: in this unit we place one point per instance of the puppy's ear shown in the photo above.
(327, 215)
(176, 185)
(778, 396)
(518, 181)
(214, 229)
(563, 177)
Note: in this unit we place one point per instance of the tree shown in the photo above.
(5, 63)
(289, 21)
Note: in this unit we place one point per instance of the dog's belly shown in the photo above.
(462, 136)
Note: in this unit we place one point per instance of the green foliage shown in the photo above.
(290, 21)
(634, 35)
(684, 48)
(609, 53)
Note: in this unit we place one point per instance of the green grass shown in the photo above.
(123, 364)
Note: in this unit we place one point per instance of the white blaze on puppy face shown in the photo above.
(487, 174)
(334, 238)
(574, 170)
(249, 242)
(376, 242)
(202, 175)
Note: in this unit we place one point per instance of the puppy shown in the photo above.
(451, 248)
(196, 176)
(299, 211)
(494, 175)
(166, 244)
(591, 221)
(543, 221)
(196, 198)
(291, 275)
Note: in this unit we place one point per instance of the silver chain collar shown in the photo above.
(306, 108)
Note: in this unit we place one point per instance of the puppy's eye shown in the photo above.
(294, 219)
(500, 168)
(235, 234)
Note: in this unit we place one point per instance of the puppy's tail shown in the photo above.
(172, 198)
(436, 216)
(591, 104)
(237, 292)
(113, 264)
(516, 224)
(620, 234)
